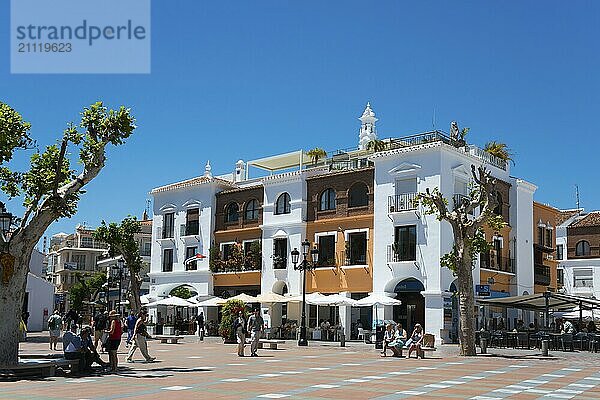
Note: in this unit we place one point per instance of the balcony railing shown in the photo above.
(402, 202)
(486, 157)
(345, 258)
(497, 263)
(541, 275)
(396, 254)
(279, 262)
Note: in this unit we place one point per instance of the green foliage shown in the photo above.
(254, 257)
(235, 262)
(121, 240)
(429, 206)
(215, 264)
(499, 150)
(50, 170)
(85, 288)
(228, 314)
(316, 153)
(182, 292)
(475, 245)
(376, 145)
(14, 133)
(463, 133)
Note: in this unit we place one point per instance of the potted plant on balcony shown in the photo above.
(215, 264)
(457, 136)
(376, 145)
(255, 255)
(228, 314)
(499, 150)
(316, 153)
(235, 262)
(278, 262)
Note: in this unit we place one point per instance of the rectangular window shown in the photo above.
(406, 243)
(167, 265)
(87, 242)
(168, 226)
(191, 252)
(357, 246)
(549, 238)
(560, 277)
(582, 278)
(559, 251)
(280, 250)
(326, 251)
(540, 236)
(192, 226)
(146, 249)
(406, 186)
(227, 250)
(79, 259)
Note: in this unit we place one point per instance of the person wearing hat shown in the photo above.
(72, 346)
(90, 355)
(114, 331)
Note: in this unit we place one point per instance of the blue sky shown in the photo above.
(238, 79)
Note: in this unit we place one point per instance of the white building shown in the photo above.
(578, 252)
(39, 294)
(356, 206)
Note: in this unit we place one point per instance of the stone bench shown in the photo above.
(173, 339)
(42, 367)
(427, 345)
(271, 342)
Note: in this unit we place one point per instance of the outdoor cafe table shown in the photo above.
(555, 339)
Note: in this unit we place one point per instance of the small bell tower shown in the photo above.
(368, 131)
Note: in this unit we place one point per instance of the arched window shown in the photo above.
(582, 248)
(282, 205)
(498, 209)
(358, 195)
(251, 212)
(327, 201)
(232, 212)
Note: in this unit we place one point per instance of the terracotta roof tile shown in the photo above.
(592, 219)
(190, 182)
(564, 215)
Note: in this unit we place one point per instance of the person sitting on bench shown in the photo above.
(389, 337)
(90, 355)
(72, 346)
(415, 341)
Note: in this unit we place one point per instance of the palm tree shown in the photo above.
(376, 145)
(316, 153)
(499, 150)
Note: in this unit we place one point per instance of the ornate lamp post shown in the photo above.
(303, 266)
(119, 273)
(6, 219)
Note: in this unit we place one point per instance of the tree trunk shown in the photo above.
(466, 295)
(134, 291)
(12, 294)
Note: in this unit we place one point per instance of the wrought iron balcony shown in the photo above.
(396, 254)
(497, 263)
(402, 202)
(541, 274)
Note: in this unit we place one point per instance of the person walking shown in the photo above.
(99, 323)
(239, 328)
(114, 339)
(130, 322)
(55, 322)
(256, 325)
(200, 321)
(140, 336)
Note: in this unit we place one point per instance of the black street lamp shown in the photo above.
(119, 267)
(6, 219)
(303, 266)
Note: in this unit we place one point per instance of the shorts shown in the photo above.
(113, 344)
(54, 332)
(98, 335)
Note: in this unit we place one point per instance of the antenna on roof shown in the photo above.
(577, 199)
(433, 120)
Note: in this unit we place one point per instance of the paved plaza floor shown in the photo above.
(211, 370)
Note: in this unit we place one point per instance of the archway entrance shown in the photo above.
(412, 309)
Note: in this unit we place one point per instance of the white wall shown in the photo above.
(41, 302)
(521, 237)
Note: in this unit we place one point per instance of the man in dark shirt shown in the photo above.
(99, 323)
(200, 321)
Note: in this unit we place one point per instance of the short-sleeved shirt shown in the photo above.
(55, 322)
(71, 342)
(99, 322)
(255, 323)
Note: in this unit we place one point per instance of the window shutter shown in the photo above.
(182, 230)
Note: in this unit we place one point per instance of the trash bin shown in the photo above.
(379, 333)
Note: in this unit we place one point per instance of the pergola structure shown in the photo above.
(546, 302)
